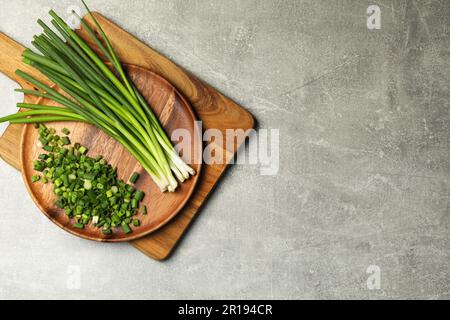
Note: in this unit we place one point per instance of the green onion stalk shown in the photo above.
(97, 95)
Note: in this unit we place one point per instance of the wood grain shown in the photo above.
(174, 113)
(214, 109)
(11, 60)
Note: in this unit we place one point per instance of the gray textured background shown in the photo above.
(364, 175)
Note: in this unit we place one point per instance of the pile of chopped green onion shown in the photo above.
(86, 188)
(99, 96)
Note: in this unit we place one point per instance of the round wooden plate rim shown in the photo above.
(131, 236)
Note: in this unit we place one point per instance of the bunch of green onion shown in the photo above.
(99, 96)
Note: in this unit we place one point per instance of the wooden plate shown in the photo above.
(174, 113)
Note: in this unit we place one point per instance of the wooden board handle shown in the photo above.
(11, 60)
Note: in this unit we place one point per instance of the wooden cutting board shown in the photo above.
(212, 108)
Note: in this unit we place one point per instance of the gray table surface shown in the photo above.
(364, 160)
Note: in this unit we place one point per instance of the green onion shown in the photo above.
(78, 225)
(126, 228)
(87, 189)
(87, 184)
(139, 195)
(82, 150)
(43, 141)
(66, 141)
(135, 177)
(94, 94)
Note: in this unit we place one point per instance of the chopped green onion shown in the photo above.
(43, 141)
(134, 178)
(87, 184)
(66, 141)
(126, 228)
(139, 195)
(86, 188)
(58, 182)
(78, 225)
(82, 150)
